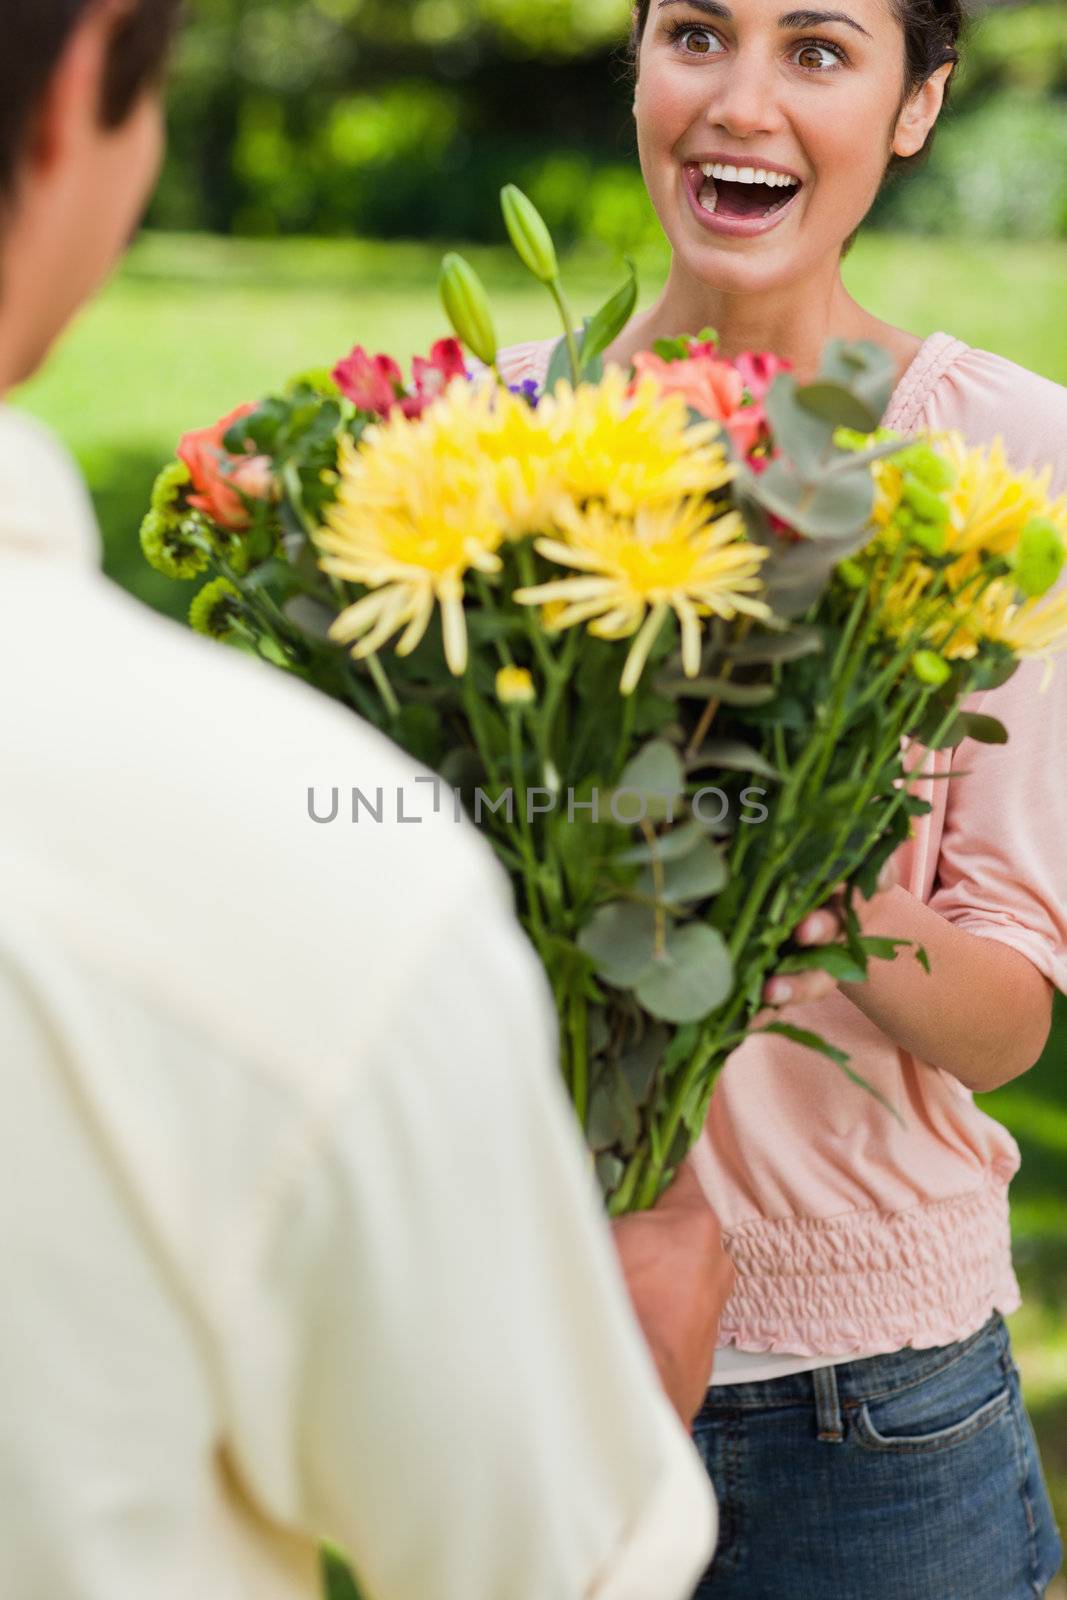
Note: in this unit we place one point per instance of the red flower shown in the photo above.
(372, 384)
(431, 377)
(376, 383)
(221, 479)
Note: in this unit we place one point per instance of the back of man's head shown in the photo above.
(36, 33)
(80, 139)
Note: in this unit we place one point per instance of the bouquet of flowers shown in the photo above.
(673, 635)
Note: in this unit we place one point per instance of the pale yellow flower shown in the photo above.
(635, 570)
(413, 517)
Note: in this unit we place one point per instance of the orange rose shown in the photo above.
(219, 478)
(710, 385)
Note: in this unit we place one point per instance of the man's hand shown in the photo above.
(679, 1278)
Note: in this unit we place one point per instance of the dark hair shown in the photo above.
(35, 35)
(932, 30)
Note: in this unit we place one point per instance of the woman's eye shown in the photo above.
(813, 52)
(697, 41)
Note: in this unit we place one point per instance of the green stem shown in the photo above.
(556, 291)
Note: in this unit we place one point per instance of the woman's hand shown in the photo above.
(679, 1278)
(824, 926)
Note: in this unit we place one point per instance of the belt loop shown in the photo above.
(827, 1406)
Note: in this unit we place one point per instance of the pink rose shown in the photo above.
(372, 383)
(219, 478)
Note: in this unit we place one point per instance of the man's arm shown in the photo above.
(475, 1412)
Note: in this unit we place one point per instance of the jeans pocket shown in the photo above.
(876, 1428)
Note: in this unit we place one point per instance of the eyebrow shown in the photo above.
(792, 19)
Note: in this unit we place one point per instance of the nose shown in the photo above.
(745, 101)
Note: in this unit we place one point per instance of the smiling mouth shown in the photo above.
(743, 192)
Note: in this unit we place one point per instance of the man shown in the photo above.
(299, 1240)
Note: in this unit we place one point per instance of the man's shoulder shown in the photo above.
(216, 830)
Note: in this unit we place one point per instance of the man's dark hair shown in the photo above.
(35, 34)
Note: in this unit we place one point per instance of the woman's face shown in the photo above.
(813, 95)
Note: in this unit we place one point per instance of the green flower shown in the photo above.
(169, 492)
(169, 547)
(215, 609)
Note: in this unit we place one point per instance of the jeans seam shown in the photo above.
(1023, 1467)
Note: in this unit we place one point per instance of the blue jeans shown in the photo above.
(912, 1476)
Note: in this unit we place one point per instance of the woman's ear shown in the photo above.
(920, 113)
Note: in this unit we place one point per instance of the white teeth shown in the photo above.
(731, 174)
(709, 198)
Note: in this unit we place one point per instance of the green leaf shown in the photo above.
(983, 729)
(337, 1579)
(695, 875)
(815, 1041)
(810, 1041)
(832, 958)
(733, 756)
(882, 949)
(619, 939)
(603, 328)
(922, 958)
(691, 979)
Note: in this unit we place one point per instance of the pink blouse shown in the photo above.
(852, 1232)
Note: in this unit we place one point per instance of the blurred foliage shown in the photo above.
(403, 120)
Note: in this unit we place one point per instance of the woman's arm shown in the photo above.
(984, 1011)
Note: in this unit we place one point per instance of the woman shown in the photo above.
(864, 1427)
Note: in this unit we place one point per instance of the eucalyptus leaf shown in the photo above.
(668, 846)
(691, 979)
(611, 1119)
(837, 406)
(790, 645)
(727, 690)
(804, 436)
(619, 939)
(734, 756)
(700, 872)
(559, 366)
(866, 368)
(638, 1066)
(310, 616)
(656, 773)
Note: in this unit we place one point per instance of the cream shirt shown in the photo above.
(298, 1233)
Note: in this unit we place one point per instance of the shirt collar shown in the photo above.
(45, 509)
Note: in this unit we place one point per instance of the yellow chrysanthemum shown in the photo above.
(992, 502)
(636, 569)
(515, 687)
(1029, 627)
(631, 450)
(413, 515)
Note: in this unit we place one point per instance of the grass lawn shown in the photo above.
(192, 327)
